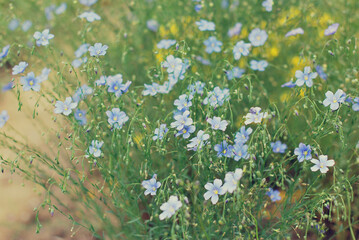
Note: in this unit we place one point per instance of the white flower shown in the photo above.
(322, 164)
(170, 207)
(214, 189)
(231, 180)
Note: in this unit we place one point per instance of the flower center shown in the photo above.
(305, 153)
(216, 192)
(306, 78)
(153, 189)
(116, 87)
(258, 38)
(224, 151)
(184, 131)
(31, 83)
(115, 118)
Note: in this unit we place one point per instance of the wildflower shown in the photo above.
(151, 89)
(214, 189)
(88, 3)
(61, 8)
(81, 93)
(116, 86)
(278, 147)
(26, 25)
(243, 135)
(289, 84)
(241, 49)
(223, 149)
(65, 107)
(294, 32)
(182, 120)
(236, 30)
(116, 118)
(98, 50)
(80, 116)
(19, 68)
(152, 25)
(78, 62)
(236, 72)
(305, 77)
(170, 207)
(160, 132)
(198, 142)
(90, 16)
(259, 65)
(7, 86)
(240, 151)
(4, 52)
(173, 65)
(213, 45)
(231, 180)
(258, 37)
(274, 195)
(303, 152)
(13, 24)
(332, 29)
(217, 97)
(95, 148)
(197, 87)
(166, 43)
(151, 185)
(356, 104)
(255, 116)
(204, 25)
(334, 99)
(321, 72)
(42, 38)
(268, 4)
(203, 61)
(44, 74)
(217, 123)
(186, 131)
(102, 81)
(30, 82)
(322, 164)
(82, 50)
(4, 117)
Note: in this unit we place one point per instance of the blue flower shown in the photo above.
(259, 65)
(289, 84)
(26, 25)
(151, 89)
(356, 104)
(116, 118)
(7, 86)
(13, 24)
(198, 7)
(331, 29)
(160, 132)
(98, 50)
(95, 148)
(151, 185)
(305, 77)
(321, 72)
(213, 45)
(204, 25)
(278, 147)
(274, 195)
(334, 99)
(231, 180)
(90, 16)
(183, 102)
(294, 32)
(61, 9)
(303, 152)
(19, 68)
(42, 38)
(198, 142)
(186, 131)
(236, 72)
(242, 136)
(182, 120)
(197, 87)
(44, 74)
(88, 3)
(152, 25)
(82, 50)
(4, 52)
(78, 62)
(81, 93)
(65, 107)
(258, 37)
(80, 115)
(240, 151)
(213, 190)
(166, 43)
(173, 65)
(236, 30)
(223, 149)
(268, 4)
(30, 82)
(217, 123)
(217, 97)
(102, 81)
(116, 86)
(170, 207)
(241, 49)
(4, 117)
